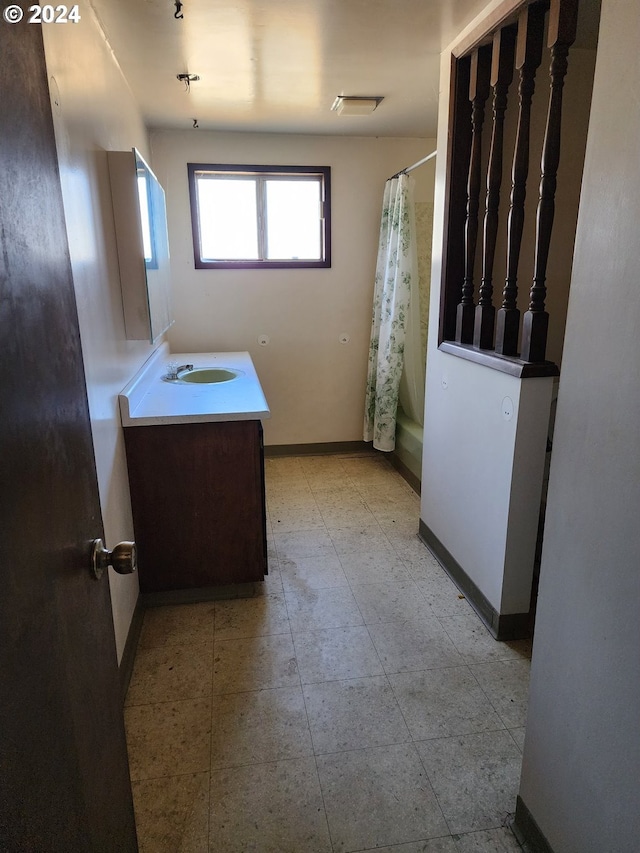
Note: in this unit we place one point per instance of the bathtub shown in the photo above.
(408, 450)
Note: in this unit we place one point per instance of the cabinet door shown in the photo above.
(261, 477)
(197, 495)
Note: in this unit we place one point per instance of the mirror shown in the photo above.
(143, 245)
(155, 246)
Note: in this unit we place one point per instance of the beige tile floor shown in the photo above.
(355, 702)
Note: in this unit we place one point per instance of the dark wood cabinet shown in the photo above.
(197, 495)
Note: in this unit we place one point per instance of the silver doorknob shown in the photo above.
(123, 558)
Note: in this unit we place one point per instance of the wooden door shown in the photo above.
(64, 781)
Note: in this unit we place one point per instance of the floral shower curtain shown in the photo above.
(396, 280)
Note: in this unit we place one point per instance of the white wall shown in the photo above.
(582, 749)
(95, 112)
(314, 385)
(482, 473)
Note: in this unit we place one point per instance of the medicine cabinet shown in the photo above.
(143, 246)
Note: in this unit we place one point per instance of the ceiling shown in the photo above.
(277, 65)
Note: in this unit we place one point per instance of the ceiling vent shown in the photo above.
(347, 105)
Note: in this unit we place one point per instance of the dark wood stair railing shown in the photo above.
(562, 32)
(528, 58)
(479, 87)
(501, 76)
(468, 330)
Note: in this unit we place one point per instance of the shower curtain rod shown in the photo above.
(415, 166)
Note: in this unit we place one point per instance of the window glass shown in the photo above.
(293, 226)
(228, 229)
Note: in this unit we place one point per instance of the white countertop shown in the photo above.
(149, 400)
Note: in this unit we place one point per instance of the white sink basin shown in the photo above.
(209, 375)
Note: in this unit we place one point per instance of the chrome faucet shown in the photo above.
(174, 370)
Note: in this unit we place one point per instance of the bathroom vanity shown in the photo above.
(195, 457)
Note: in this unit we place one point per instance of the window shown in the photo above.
(260, 217)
